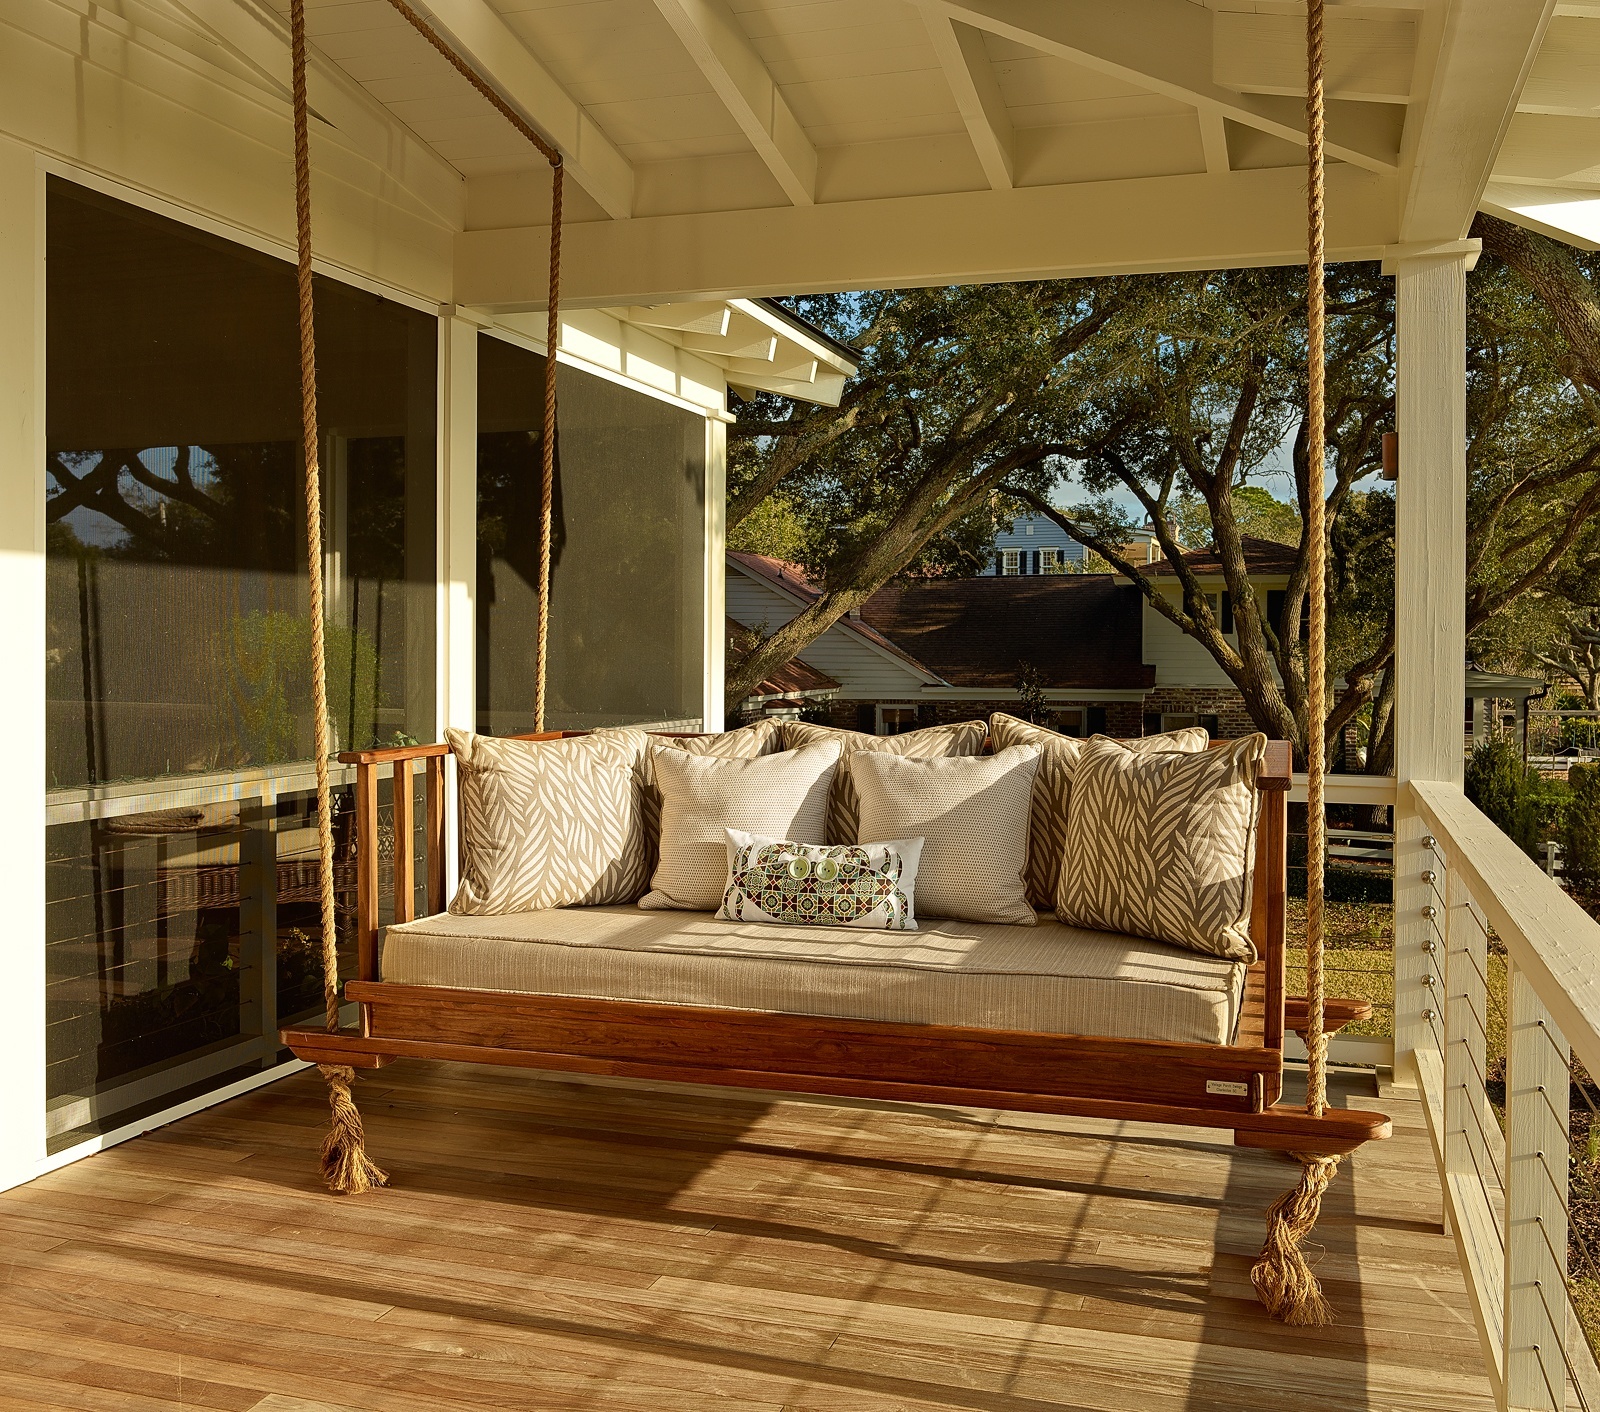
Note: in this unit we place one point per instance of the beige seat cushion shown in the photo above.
(1049, 979)
(932, 742)
(702, 797)
(973, 817)
(1052, 790)
(1162, 845)
(549, 823)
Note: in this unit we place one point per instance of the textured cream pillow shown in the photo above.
(1052, 790)
(702, 797)
(746, 743)
(1162, 845)
(549, 823)
(932, 742)
(973, 814)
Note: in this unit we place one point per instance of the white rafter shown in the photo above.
(719, 46)
(488, 43)
(972, 82)
(1164, 46)
(1214, 140)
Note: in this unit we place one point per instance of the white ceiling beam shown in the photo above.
(1485, 53)
(1214, 140)
(707, 318)
(1565, 79)
(972, 83)
(488, 43)
(1365, 60)
(718, 44)
(1165, 47)
(1186, 222)
(756, 345)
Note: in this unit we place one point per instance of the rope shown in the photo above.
(1316, 530)
(313, 489)
(552, 330)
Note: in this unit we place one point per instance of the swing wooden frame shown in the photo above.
(1233, 1087)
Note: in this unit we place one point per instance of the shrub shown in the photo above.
(1526, 806)
(1580, 833)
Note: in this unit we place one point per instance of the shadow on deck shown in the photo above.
(556, 1245)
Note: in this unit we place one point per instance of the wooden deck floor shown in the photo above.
(551, 1245)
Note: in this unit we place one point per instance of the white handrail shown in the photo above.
(1348, 789)
(1551, 939)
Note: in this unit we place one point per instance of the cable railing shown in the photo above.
(1509, 997)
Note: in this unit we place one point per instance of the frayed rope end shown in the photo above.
(346, 1168)
(1284, 1281)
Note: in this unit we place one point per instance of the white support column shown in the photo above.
(458, 542)
(1430, 589)
(22, 646)
(1537, 1080)
(716, 595)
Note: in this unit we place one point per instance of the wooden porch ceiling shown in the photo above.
(726, 148)
(564, 1246)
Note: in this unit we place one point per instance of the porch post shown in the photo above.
(1430, 592)
(715, 596)
(458, 542)
(22, 648)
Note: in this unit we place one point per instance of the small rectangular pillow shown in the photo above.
(1162, 845)
(973, 817)
(821, 885)
(702, 796)
(1052, 790)
(549, 823)
(959, 738)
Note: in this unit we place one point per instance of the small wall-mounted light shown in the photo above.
(1391, 455)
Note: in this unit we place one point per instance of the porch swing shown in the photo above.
(1234, 1086)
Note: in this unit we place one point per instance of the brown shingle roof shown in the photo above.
(1261, 556)
(1078, 630)
(794, 676)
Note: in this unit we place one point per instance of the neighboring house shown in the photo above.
(932, 650)
(1035, 545)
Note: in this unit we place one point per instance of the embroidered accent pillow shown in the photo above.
(932, 742)
(549, 823)
(777, 796)
(1052, 791)
(812, 885)
(1162, 845)
(973, 817)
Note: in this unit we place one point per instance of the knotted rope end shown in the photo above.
(1284, 1281)
(346, 1167)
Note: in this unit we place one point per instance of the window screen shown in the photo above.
(627, 616)
(182, 923)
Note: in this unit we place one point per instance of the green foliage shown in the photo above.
(267, 661)
(1260, 515)
(1580, 834)
(1032, 705)
(774, 527)
(1526, 806)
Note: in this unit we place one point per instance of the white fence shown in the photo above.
(1512, 986)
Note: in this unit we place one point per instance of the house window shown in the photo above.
(1183, 720)
(1028, 528)
(1011, 561)
(627, 564)
(1069, 722)
(1052, 561)
(182, 923)
(896, 720)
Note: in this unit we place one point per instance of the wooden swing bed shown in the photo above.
(1235, 1086)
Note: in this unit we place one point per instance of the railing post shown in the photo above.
(1538, 1073)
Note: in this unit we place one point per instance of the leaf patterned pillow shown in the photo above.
(930, 743)
(1052, 791)
(816, 885)
(549, 823)
(1162, 845)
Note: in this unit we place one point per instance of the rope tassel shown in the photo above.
(1284, 1280)
(346, 1167)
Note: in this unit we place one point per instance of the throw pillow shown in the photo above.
(1162, 845)
(805, 884)
(932, 742)
(549, 823)
(973, 817)
(778, 796)
(1052, 790)
(746, 743)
